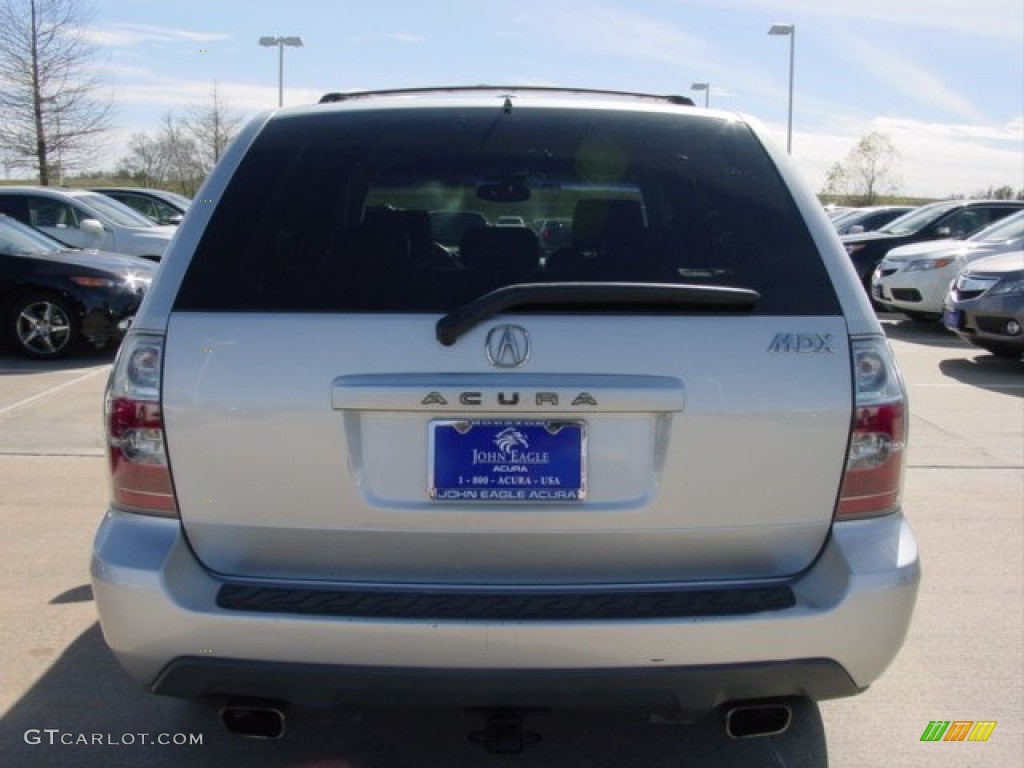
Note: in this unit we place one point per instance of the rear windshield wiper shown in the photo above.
(458, 321)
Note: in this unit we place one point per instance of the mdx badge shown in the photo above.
(508, 346)
(801, 343)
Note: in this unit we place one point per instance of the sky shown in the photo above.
(944, 79)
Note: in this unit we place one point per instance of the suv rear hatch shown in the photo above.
(670, 401)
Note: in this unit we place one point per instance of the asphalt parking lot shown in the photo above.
(963, 659)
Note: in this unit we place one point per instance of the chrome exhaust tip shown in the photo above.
(254, 718)
(749, 721)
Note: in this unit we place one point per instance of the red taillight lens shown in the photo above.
(873, 479)
(141, 478)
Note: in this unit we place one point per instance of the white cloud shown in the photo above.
(936, 159)
(1001, 19)
(121, 35)
(141, 87)
(911, 79)
(241, 97)
(629, 34)
(969, 157)
(395, 37)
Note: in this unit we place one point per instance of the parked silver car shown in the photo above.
(157, 205)
(985, 305)
(85, 219)
(661, 467)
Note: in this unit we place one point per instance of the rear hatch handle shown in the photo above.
(597, 295)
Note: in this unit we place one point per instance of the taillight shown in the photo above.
(141, 478)
(873, 479)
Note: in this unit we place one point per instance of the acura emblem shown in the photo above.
(508, 346)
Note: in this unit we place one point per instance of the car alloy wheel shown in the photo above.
(43, 327)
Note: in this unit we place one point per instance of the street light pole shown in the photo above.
(790, 30)
(280, 42)
(706, 87)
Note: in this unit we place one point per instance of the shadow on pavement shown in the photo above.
(84, 712)
(931, 334)
(985, 371)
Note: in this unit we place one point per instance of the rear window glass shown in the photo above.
(403, 210)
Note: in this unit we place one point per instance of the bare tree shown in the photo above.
(213, 126)
(184, 149)
(1005, 192)
(867, 172)
(180, 155)
(145, 160)
(50, 105)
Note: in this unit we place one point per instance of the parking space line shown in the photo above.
(52, 390)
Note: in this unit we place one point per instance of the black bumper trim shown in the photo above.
(693, 690)
(465, 605)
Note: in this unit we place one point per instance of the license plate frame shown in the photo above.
(524, 461)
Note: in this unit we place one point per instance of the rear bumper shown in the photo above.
(671, 690)
(159, 613)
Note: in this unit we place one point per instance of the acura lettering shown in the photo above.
(506, 399)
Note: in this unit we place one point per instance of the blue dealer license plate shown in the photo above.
(520, 461)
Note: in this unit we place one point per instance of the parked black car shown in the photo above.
(52, 299)
(858, 220)
(954, 219)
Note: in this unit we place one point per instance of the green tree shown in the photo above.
(867, 172)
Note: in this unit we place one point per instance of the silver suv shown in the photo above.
(353, 464)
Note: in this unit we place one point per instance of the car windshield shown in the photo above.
(1005, 229)
(913, 222)
(843, 216)
(180, 200)
(116, 212)
(20, 240)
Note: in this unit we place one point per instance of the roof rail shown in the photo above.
(329, 98)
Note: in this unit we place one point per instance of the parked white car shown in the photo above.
(86, 219)
(915, 279)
